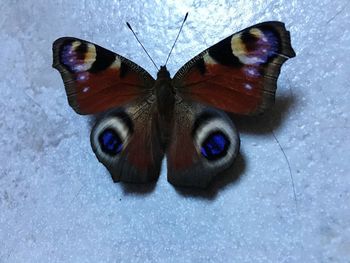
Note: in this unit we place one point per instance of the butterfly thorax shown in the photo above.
(165, 103)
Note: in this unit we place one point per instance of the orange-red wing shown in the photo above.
(238, 74)
(97, 79)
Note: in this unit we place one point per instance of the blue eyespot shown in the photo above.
(110, 142)
(215, 146)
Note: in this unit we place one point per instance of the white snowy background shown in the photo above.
(59, 204)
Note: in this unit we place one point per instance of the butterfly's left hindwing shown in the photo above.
(97, 79)
(126, 141)
(238, 74)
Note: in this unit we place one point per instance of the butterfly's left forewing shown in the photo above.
(238, 74)
(97, 79)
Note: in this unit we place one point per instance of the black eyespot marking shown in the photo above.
(215, 146)
(249, 40)
(81, 51)
(124, 68)
(200, 65)
(110, 142)
(104, 58)
(222, 53)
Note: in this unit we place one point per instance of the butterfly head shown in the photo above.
(163, 73)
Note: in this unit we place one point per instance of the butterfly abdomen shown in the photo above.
(165, 97)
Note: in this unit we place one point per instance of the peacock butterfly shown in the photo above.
(182, 117)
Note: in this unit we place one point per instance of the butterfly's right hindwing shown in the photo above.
(204, 143)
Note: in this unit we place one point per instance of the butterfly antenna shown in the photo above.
(183, 22)
(129, 26)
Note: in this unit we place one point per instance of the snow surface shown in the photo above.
(59, 204)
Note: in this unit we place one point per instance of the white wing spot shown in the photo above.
(82, 77)
(248, 86)
(252, 72)
(208, 60)
(116, 63)
(86, 89)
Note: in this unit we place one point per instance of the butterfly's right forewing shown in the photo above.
(238, 74)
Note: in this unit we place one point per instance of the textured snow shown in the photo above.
(59, 204)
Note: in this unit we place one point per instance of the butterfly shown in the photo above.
(181, 118)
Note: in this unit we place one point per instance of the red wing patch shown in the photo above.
(97, 79)
(238, 74)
